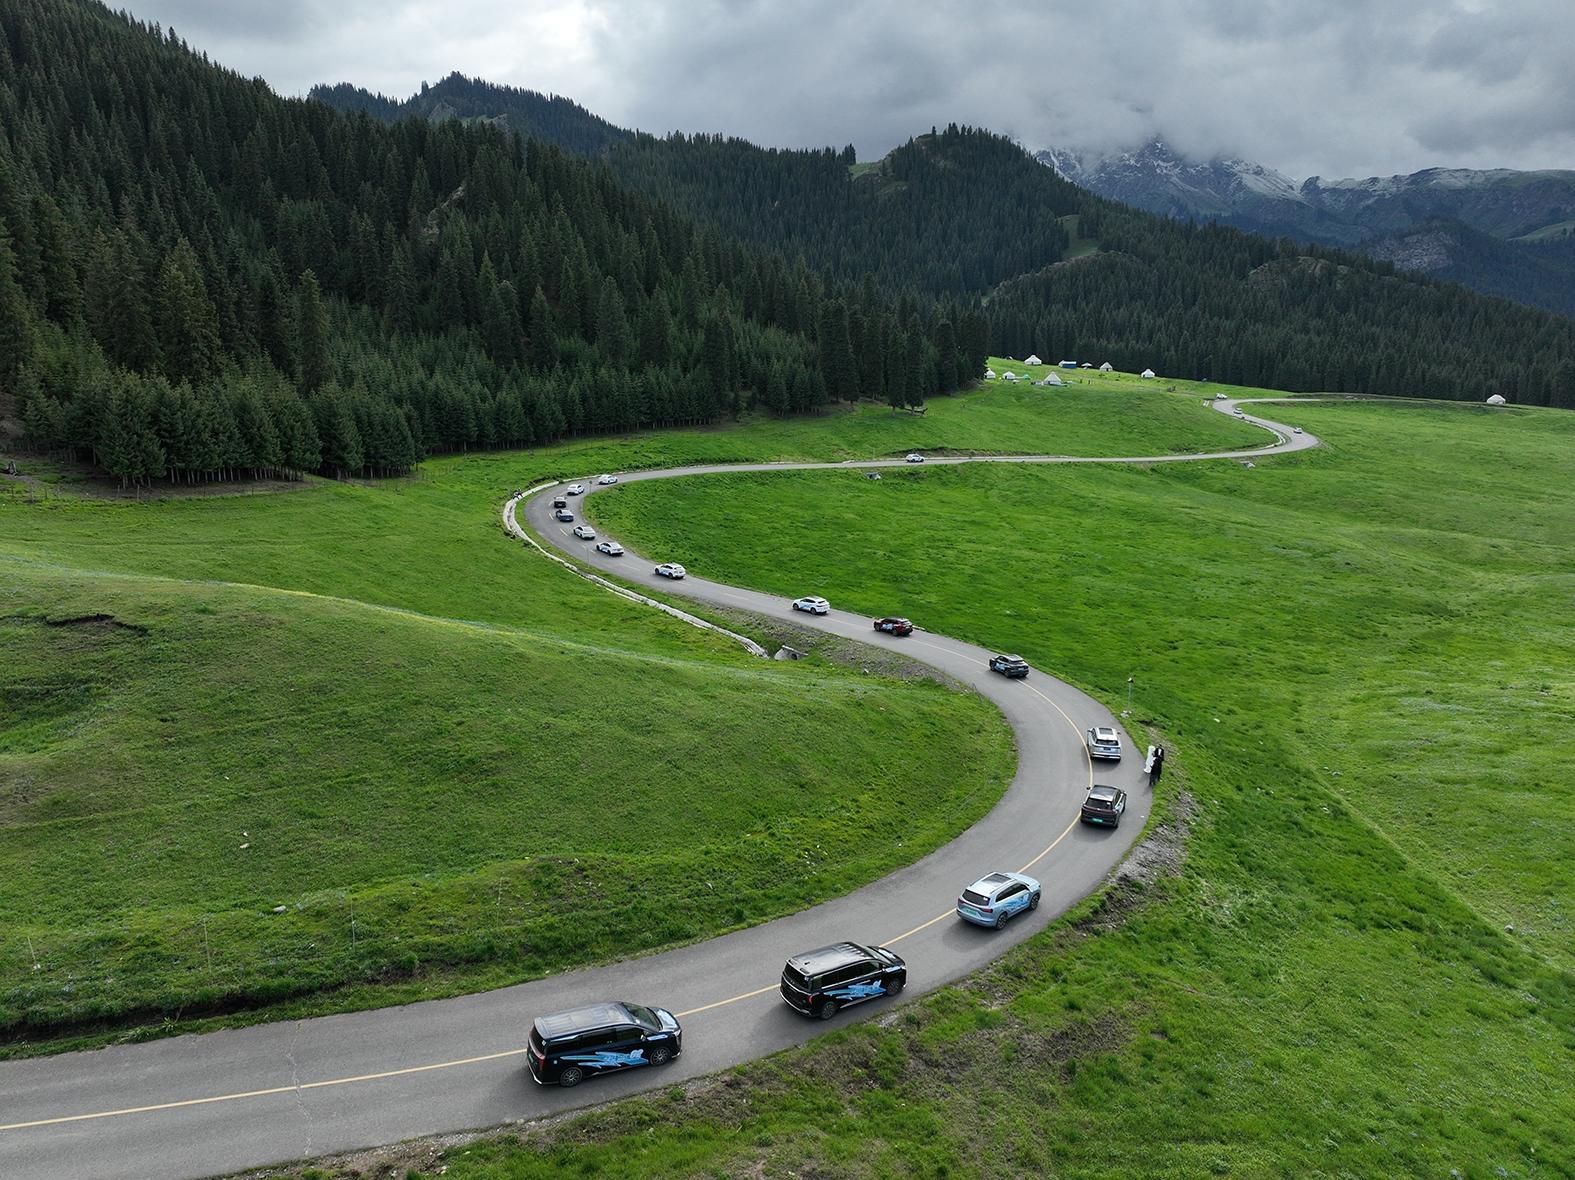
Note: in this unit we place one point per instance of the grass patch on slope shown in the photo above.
(1360, 657)
(425, 798)
(430, 545)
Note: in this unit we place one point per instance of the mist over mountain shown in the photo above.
(1501, 231)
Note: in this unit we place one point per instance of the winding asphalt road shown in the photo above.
(195, 1106)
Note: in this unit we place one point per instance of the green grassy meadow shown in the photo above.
(320, 674)
(1360, 658)
(435, 804)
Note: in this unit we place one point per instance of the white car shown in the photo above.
(1104, 742)
(605, 480)
(1219, 397)
(671, 569)
(610, 548)
(812, 605)
(575, 489)
(915, 457)
(1298, 430)
(1240, 414)
(585, 532)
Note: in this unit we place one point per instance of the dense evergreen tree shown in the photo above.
(311, 335)
(199, 279)
(16, 327)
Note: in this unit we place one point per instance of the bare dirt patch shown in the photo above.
(108, 622)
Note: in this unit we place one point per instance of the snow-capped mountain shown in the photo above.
(1504, 232)
(1500, 202)
(1156, 178)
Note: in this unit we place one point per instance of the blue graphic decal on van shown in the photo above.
(857, 991)
(606, 1057)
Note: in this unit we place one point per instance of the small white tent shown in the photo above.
(1033, 360)
(1052, 379)
(1496, 400)
(1107, 367)
(1147, 373)
(989, 374)
(1008, 376)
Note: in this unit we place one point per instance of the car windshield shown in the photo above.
(643, 1015)
(1100, 802)
(973, 897)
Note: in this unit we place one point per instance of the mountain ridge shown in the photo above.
(1500, 219)
(968, 215)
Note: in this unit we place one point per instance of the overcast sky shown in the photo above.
(1328, 87)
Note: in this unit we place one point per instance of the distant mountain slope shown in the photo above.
(968, 215)
(951, 212)
(550, 118)
(1487, 229)
(1502, 203)
(1537, 273)
(901, 221)
(1155, 178)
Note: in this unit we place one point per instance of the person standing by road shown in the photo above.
(1156, 763)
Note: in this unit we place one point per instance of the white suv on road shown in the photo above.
(1104, 742)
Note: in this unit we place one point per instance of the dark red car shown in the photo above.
(894, 626)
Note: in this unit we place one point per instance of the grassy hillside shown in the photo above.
(380, 543)
(1364, 965)
(318, 673)
(437, 804)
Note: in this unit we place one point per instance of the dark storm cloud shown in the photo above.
(1337, 87)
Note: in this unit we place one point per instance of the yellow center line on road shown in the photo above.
(441, 1065)
(293, 1089)
(759, 991)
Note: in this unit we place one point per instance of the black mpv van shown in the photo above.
(568, 1047)
(821, 982)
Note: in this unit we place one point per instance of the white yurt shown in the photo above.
(989, 374)
(1052, 379)
(1496, 400)
(1107, 367)
(1149, 373)
(1008, 376)
(1033, 360)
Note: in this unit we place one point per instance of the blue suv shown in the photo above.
(991, 900)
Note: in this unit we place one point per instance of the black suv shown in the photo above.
(566, 1047)
(821, 982)
(1104, 805)
(1012, 667)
